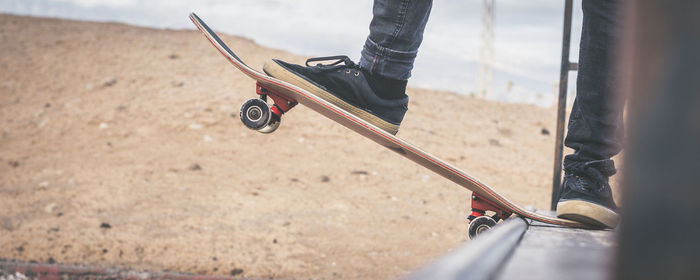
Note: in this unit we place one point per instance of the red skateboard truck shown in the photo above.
(479, 221)
(256, 114)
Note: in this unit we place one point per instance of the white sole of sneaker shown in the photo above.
(588, 213)
(277, 71)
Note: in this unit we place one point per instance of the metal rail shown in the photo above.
(566, 66)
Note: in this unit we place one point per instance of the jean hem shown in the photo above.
(390, 63)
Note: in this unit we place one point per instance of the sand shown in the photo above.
(121, 147)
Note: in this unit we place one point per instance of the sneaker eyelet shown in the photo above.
(357, 74)
(347, 71)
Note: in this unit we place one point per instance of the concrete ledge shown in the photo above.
(553, 252)
(481, 258)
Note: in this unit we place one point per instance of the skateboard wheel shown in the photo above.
(479, 225)
(255, 114)
(272, 126)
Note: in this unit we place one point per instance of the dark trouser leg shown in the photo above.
(595, 125)
(396, 32)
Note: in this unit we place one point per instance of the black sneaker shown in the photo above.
(344, 84)
(586, 196)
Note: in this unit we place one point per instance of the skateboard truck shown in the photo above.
(256, 114)
(479, 221)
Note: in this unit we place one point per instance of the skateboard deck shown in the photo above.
(482, 194)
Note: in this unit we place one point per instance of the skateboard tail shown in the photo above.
(203, 27)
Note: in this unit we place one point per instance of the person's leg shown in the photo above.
(595, 124)
(375, 89)
(396, 32)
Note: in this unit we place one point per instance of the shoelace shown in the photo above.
(593, 175)
(585, 183)
(336, 63)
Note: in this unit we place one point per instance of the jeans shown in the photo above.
(595, 123)
(395, 33)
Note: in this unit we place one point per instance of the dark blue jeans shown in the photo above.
(595, 124)
(395, 33)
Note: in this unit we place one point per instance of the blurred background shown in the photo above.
(507, 52)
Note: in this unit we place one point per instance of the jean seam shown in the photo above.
(375, 61)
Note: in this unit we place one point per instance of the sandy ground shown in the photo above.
(120, 147)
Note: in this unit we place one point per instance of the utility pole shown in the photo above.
(484, 74)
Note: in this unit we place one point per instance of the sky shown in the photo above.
(527, 34)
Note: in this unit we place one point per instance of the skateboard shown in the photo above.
(257, 114)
